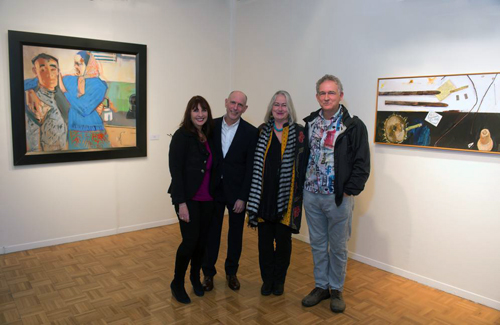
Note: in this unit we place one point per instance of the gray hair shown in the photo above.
(292, 116)
(329, 77)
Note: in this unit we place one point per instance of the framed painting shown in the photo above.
(456, 112)
(76, 99)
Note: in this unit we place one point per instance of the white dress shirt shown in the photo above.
(227, 134)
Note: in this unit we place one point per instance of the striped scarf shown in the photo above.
(285, 174)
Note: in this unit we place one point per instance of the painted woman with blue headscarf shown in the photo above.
(85, 92)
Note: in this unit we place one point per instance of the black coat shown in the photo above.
(188, 159)
(232, 174)
(351, 155)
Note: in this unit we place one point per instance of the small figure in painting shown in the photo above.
(133, 107)
(485, 143)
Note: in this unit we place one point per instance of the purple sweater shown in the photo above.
(203, 193)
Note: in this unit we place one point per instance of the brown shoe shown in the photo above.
(232, 282)
(315, 297)
(208, 283)
(337, 304)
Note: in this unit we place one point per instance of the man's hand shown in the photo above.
(34, 105)
(61, 84)
(239, 206)
(183, 212)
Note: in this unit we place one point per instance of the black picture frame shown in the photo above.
(21, 156)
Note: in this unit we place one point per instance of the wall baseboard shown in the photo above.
(75, 238)
(147, 225)
(427, 281)
(301, 237)
(419, 278)
(58, 241)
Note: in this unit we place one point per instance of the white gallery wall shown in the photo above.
(188, 54)
(429, 215)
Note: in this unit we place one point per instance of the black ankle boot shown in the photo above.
(179, 292)
(197, 287)
(278, 289)
(266, 289)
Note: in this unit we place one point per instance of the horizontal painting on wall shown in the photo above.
(457, 112)
(76, 99)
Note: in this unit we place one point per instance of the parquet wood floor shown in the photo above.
(124, 279)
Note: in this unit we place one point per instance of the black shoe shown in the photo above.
(197, 287)
(266, 289)
(315, 297)
(208, 283)
(179, 293)
(337, 304)
(232, 282)
(278, 289)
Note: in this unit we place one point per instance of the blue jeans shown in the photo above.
(329, 231)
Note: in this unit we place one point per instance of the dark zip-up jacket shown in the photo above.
(351, 155)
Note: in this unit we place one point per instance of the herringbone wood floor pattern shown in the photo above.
(124, 279)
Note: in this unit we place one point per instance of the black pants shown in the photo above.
(274, 261)
(234, 240)
(194, 238)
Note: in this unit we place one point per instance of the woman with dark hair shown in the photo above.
(190, 162)
(275, 201)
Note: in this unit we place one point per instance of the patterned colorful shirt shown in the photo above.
(320, 175)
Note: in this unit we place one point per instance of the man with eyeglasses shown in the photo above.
(337, 170)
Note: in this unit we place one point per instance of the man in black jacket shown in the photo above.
(337, 169)
(234, 147)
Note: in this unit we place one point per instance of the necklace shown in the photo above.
(278, 130)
